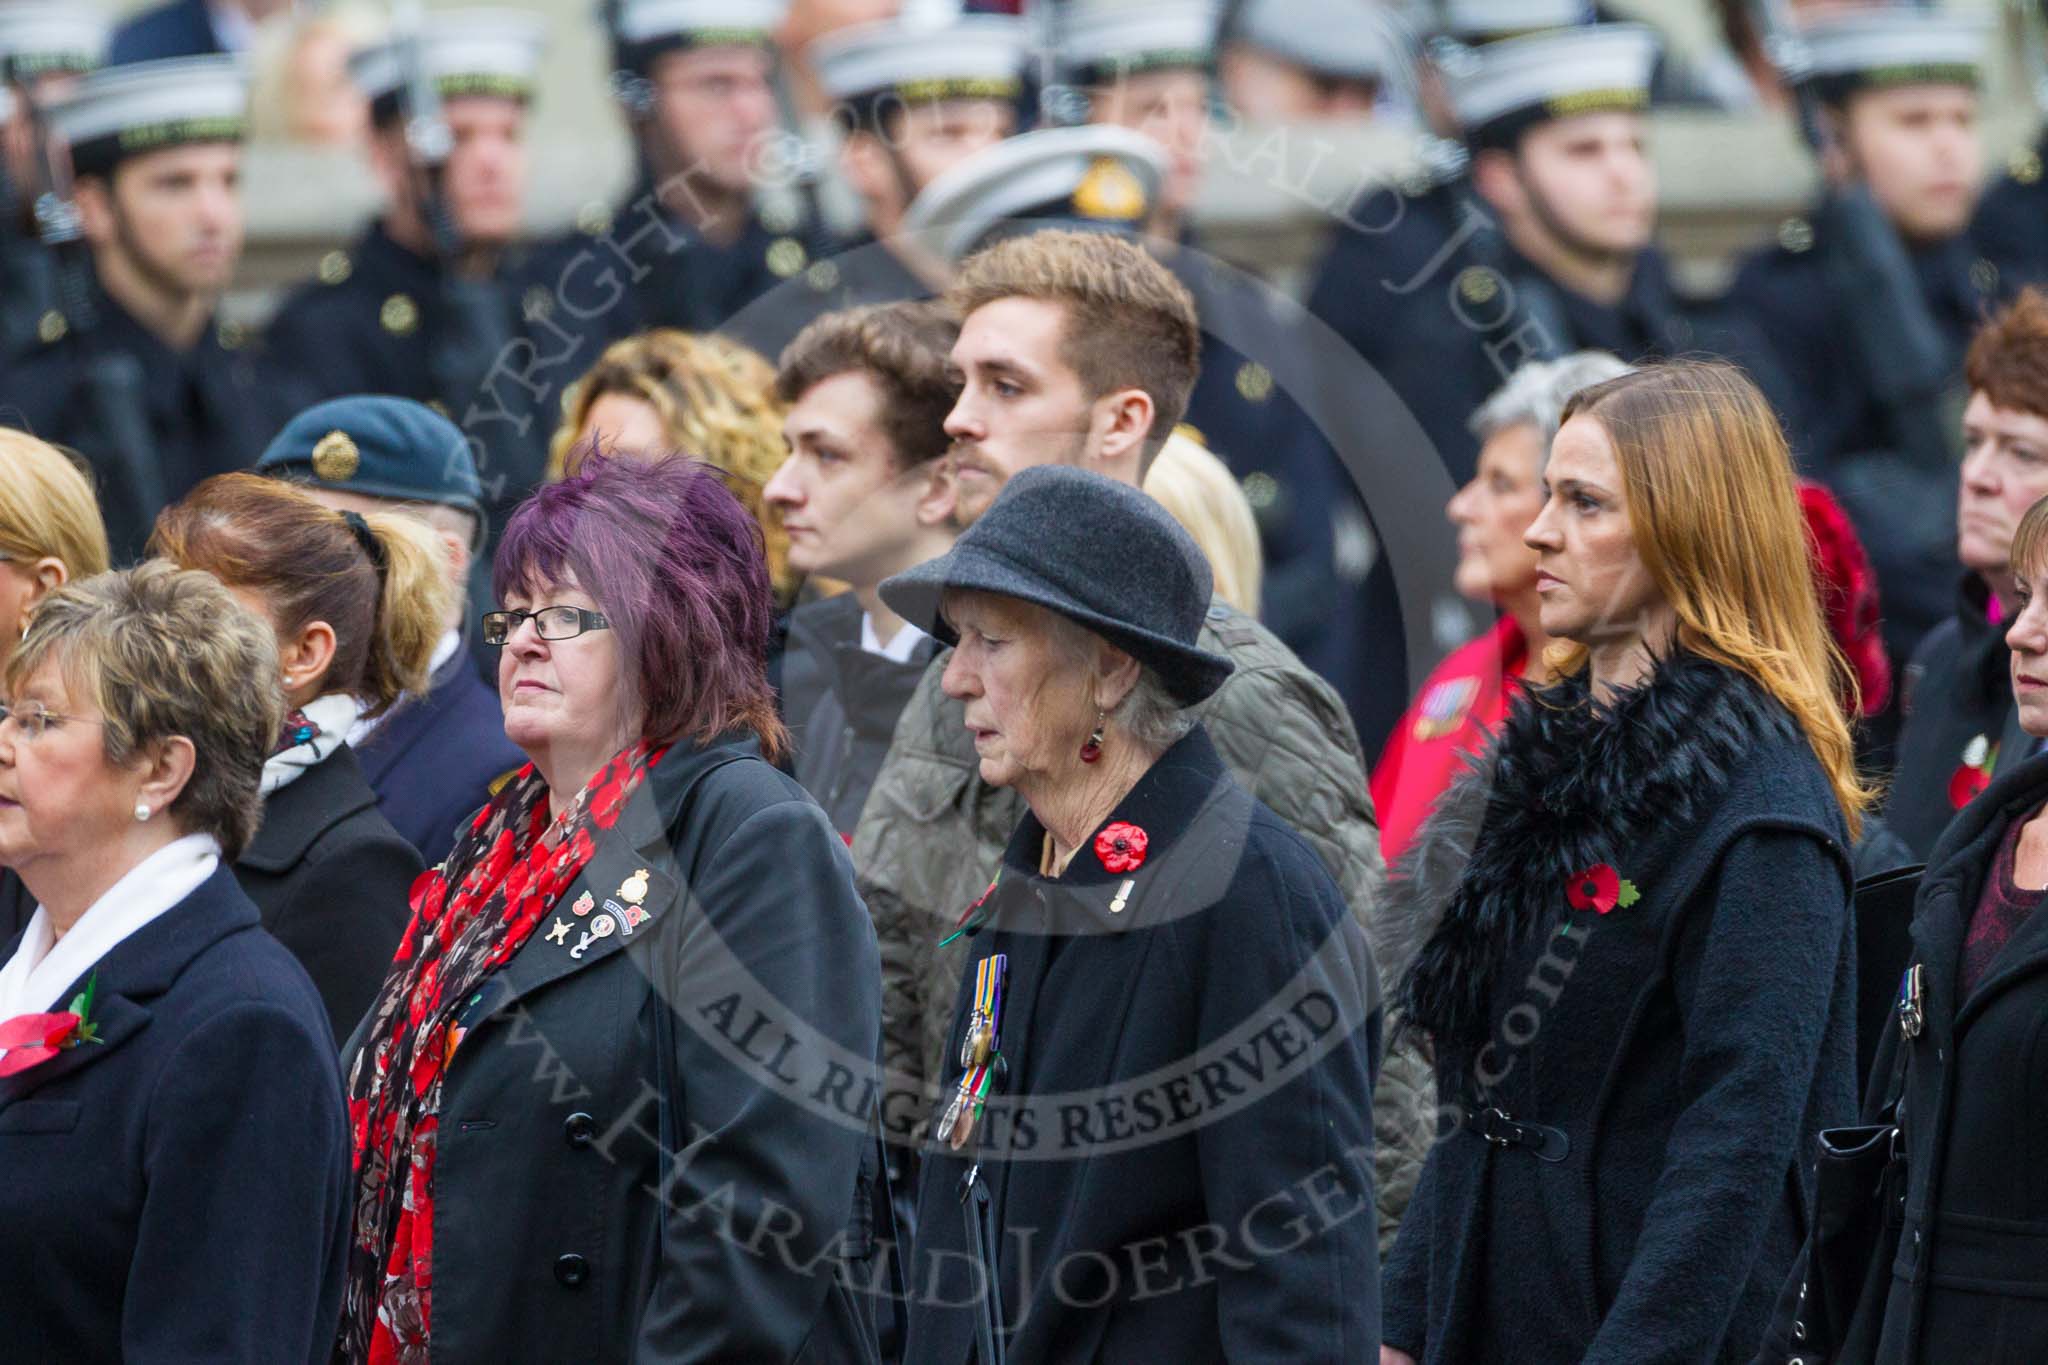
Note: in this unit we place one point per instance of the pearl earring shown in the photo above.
(143, 812)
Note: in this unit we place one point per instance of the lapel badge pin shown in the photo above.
(1123, 896)
(601, 927)
(560, 933)
(633, 890)
(583, 905)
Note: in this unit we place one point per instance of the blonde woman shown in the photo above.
(50, 534)
(1197, 488)
(1636, 962)
(667, 392)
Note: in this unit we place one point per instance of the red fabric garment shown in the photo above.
(1848, 593)
(470, 915)
(1454, 714)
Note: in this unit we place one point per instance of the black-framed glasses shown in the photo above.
(35, 719)
(551, 623)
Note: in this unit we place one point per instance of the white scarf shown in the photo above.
(335, 714)
(42, 968)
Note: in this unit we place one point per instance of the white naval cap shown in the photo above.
(122, 111)
(1339, 39)
(1097, 39)
(1097, 176)
(968, 56)
(1504, 87)
(643, 29)
(43, 37)
(463, 52)
(1904, 46)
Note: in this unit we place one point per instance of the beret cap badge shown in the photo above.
(335, 457)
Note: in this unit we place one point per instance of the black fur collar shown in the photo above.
(1568, 784)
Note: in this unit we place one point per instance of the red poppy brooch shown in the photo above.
(1121, 847)
(1980, 756)
(27, 1040)
(1601, 888)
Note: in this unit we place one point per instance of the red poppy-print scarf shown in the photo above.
(469, 916)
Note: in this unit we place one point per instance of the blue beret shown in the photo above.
(380, 447)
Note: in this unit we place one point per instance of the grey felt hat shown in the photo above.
(1098, 552)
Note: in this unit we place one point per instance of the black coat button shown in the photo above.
(571, 1270)
(579, 1129)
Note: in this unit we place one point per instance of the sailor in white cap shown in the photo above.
(1545, 249)
(45, 45)
(911, 97)
(1865, 305)
(1294, 61)
(696, 81)
(1148, 67)
(1898, 94)
(429, 298)
(136, 373)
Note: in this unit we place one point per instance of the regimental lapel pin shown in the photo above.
(633, 890)
(601, 927)
(1123, 896)
(584, 904)
(979, 1053)
(560, 933)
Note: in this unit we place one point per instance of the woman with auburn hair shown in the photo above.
(357, 605)
(1636, 967)
(648, 899)
(667, 392)
(50, 534)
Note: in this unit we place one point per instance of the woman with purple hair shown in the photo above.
(613, 1101)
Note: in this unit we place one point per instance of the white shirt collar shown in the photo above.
(41, 970)
(900, 647)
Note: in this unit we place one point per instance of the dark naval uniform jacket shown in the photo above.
(383, 319)
(200, 409)
(856, 273)
(180, 1189)
(1970, 1281)
(437, 758)
(2011, 227)
(1177, 1151)
(735, 1029)
(332, 879)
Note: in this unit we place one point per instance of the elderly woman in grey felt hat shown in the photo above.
(1155, 1139)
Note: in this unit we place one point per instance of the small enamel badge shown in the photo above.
(560, 933)
(601, 927)
(1444, 708)
(1601, 889)
(1980, 756)
(633, 890)
(583, 906)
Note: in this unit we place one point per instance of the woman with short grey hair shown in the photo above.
(1149, 920)
(170, 1103)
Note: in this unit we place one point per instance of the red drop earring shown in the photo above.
(1092, 750)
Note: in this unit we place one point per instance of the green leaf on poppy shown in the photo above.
(1629, 895)
(81, 1004)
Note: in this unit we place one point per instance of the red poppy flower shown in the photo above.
(1965, 784)
(33, 1038)
(1597, 888)
(1121, 847)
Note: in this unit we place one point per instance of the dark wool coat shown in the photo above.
(438, 758)
(179, 1190)
(1971, 1279)
(333, 882)
(851, 701)
(1181, 1163)
(549, 1243)
(1957, 687)
(1688, 1045)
